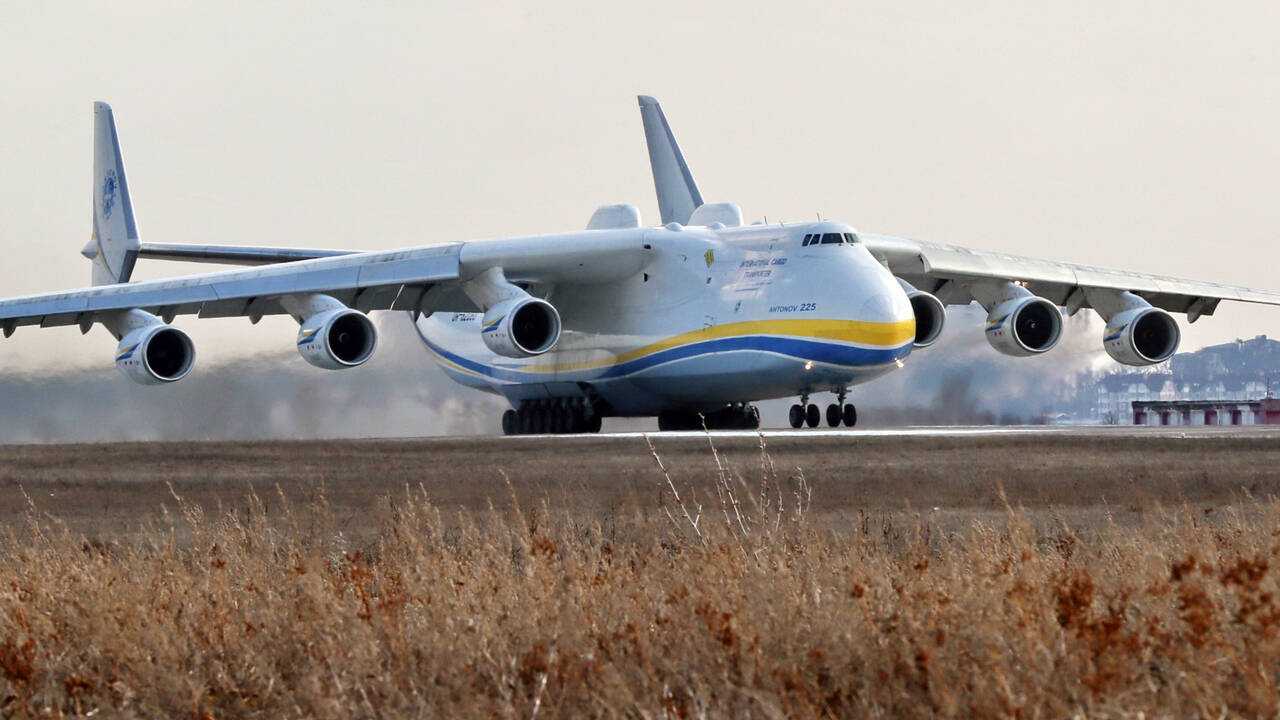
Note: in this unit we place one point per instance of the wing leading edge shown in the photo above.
(400, 280)
(945, 270)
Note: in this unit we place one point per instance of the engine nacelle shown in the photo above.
(931, 316)
(337, 339)
(1142, 336)
(521, 327)
(155, 354)
(1024, 326)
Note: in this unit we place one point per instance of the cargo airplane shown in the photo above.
(691, 320)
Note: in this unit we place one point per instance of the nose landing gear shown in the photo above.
(838, 412)
(805, 413)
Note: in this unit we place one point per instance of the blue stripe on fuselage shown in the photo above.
(817, 351)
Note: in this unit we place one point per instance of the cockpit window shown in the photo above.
(829, 239)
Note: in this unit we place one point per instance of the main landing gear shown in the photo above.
(838, 412)
(738, 416)
(556, 416)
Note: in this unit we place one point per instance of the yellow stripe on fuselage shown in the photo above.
(863, 333)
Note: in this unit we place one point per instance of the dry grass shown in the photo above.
(731, 602)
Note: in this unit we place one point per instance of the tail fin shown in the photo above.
(114, 246)
(678, 194)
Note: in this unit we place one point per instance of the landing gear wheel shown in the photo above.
(850, 416)
(796, 416)
(752, 418)
(593, 423)
(812, 416)
(509, 423)
(833, 415)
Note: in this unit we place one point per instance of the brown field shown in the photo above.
(1100, 574)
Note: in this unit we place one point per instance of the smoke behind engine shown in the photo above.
(963, 381)
(399, 392)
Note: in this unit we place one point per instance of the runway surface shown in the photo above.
(976, 431)
(109, 489)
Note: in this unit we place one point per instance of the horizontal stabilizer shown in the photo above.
(232, 254)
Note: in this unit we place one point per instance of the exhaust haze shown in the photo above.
(399, 392)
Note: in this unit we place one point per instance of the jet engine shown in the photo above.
(931, 315)
(521, 327)
(1022, 326)
(1142, 336)
(337, 339)
(155, 354)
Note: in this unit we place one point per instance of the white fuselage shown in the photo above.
(718, 315)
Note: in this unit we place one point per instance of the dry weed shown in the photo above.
(731, 605)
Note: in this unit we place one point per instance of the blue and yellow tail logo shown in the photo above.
(109, 186)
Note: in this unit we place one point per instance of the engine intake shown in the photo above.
(337, 339)
(931, 316)
(1024, 326)
(155, 354)
(1142, 336)
(521, 327)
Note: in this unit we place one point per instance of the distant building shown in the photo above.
(1223, 376)
(1265, 411)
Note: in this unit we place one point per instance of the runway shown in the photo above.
(1185, 431)
(108, 489)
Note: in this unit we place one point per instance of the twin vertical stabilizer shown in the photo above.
(114, 245)
(678, 194)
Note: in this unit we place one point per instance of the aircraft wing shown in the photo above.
(424, 279)
(944, 271)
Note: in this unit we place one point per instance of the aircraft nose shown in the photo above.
(887, 303)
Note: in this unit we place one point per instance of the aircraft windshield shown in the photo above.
(830, 239)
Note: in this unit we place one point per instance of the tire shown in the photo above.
(524, 421)
(812, 416)
(509, 422)
(850, 416)
(751, 417)
(833, 415)
(593, 423)
(796, 416)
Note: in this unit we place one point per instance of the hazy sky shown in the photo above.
(1135, 135)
